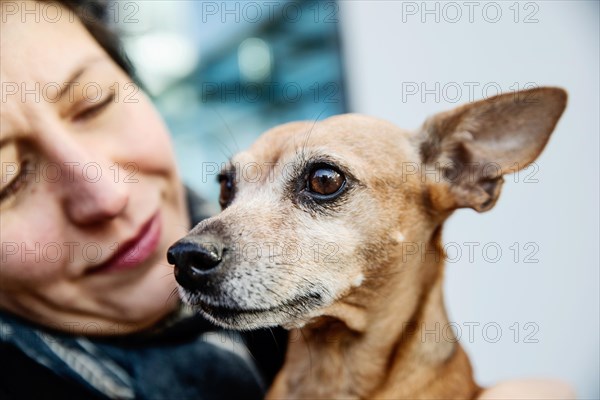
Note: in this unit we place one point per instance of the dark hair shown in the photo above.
(93, 15)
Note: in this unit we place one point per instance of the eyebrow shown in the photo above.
(227, 171)
(71, 80)
(77, 74)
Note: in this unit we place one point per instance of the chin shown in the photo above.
(147, 303)
(292, 313)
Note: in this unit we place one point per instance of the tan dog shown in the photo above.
(319, 226)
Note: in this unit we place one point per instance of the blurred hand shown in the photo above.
(529, 389)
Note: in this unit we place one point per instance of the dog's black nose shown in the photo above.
(193, 260)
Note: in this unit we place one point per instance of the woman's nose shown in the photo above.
(91, 195)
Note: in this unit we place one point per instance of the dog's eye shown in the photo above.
(226, 194)
(325, 181)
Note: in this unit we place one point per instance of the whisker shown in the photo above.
(309, 133)
(310, 363)
(174, 292)
(228, 129)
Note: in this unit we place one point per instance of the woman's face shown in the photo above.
(90, 198)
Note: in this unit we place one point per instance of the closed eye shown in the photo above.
(18, 182)
(94, 110)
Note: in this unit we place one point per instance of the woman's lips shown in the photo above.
(135, 251)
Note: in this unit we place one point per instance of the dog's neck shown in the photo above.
(393, 338)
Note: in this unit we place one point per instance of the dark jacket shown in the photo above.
(184, 358)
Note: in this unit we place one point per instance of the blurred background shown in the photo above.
(221, 73)
(522, 281)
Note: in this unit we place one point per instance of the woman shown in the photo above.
(90, 199)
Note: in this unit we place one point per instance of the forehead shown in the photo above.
(35, 49)
(356, 138)
(38, 55)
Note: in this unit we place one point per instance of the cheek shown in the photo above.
(143, 138)
(329, 250)
(34, 250)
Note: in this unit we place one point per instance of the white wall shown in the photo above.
(387, 46)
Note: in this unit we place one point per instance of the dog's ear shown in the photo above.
(472, 146)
